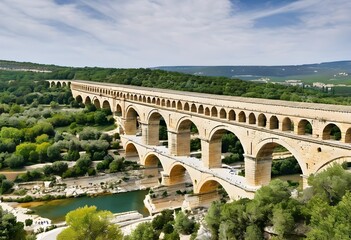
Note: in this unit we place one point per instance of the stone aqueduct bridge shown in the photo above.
(259, 124)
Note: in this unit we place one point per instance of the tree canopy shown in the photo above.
(87, 223)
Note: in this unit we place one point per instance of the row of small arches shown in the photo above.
(331, 131)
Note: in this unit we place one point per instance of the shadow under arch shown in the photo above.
(179, 173)
(96, 102)
(87, 100)
(211, 190)
(131, 152)
(79, 99)
(106, 105)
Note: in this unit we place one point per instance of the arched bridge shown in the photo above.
(305, 129)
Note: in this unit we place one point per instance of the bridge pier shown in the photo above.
(166, 180)
(179, 143)
(130, 126)
(257, 172)
(211, 153)
(150, 134)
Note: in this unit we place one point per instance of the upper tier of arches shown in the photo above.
(287, 122)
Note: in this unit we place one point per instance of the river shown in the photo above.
(116, 203)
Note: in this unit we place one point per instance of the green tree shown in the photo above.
(24, 149)
(331, 222)
(212, 218)
(42, 138)
(160, 220)
(183, 224)
(144, 231)
(10, 229)
(15, 161)
(253, 232)
(283, 221)
(87, 223)
(6, 186)
(331, 184)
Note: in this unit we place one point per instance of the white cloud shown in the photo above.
(146, 33)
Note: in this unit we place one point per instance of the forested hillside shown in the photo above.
(179, 81)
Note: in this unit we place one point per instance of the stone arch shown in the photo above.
(52, 84)
(231, 115)
(183, 136)
(140, 99)
(263, 165)
(214, 112)
(153, 100)
(179, 105)
(173, 104)
(131, 152)
(193, 108)
(148, 100)
(330, 163)
(131, 123)
(58, 84)
(273, 122)
(252, 118)
(262, 120)
(106, 105)
(303, 127)
(348, 136)
(207, 111)
(97, 103)
(158, 102)
(154, 127)
(331, 131)
(79, 99)
(168, 103)
(214, 153)
(119, 110)
(178, 174)
(200, 109)
(64, 84)
(144, 99)
(152, 166)
(87, 100)
(151, 160)
(287, 124)
(163, 102)
(208, 191)
(222, 114)
(242, 117)
(186, 106)
(210, 185)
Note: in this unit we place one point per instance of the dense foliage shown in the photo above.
(10, 228)
(320, 213)
(87, 223)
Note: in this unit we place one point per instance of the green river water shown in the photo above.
(121, 202)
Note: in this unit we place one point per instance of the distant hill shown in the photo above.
(35, 67)
(335, 72)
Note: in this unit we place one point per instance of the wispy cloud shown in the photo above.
(146, 33)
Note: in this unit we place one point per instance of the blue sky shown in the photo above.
(148, 33)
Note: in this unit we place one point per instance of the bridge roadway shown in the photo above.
(259, 124)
